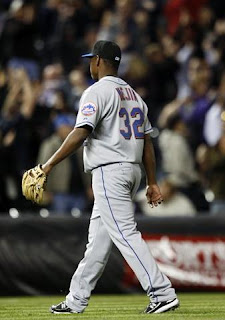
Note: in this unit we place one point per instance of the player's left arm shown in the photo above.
(153, 194)
(73, 141)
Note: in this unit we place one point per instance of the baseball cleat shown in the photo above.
(164, 306)
(62, 308)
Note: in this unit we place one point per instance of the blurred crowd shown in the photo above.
(173, 54)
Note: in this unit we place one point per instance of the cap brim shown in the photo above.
(87, 55)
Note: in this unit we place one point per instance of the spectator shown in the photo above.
(197, 67)
(125, 41)
(70, 26)
(95, 11)
(174, 202)
(53, 81)
(141, 18)
(107, 29)
(15, 136)
(161, 81)
(78, 83)
(175, 10)
(137, 73)
(195, 105)
(194, 109)
(214, 120)
(178, 161)
(18, 39)
(212, 166)
(205, 22)
(59, 196)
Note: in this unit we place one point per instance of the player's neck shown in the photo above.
(107, 73)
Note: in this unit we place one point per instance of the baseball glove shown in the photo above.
(33, 184)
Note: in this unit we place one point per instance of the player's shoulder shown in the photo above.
(103, 89)
(90, 89)
(95, 94)
(94, 89)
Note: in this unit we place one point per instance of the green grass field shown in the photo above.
(194, 306)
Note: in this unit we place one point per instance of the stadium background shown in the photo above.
(174, 56)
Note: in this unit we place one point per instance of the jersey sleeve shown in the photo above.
(90, 109)
(147, 124)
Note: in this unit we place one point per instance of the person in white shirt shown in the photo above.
(174, 203)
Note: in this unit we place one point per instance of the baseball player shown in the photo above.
(112, 124)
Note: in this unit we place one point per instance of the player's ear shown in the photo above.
(98, 61)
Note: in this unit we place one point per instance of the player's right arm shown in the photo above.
(73, 141)
(153, 194)
(87, 118)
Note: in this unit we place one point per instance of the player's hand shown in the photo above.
(154, 196)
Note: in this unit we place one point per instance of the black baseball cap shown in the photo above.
(105, 49)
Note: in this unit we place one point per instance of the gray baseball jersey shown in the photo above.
(120, 137)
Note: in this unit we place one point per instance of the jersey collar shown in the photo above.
(114, 79)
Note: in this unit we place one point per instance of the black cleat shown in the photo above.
(164, 306)
(62, 308)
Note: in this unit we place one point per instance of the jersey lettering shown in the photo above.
(135, 112)
(124, 114)
(126, 94)
(137, 123)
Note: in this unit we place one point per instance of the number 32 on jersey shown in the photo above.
(132, 127)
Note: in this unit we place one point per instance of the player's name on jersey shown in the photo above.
(126, 94)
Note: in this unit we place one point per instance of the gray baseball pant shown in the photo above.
(112, 221)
